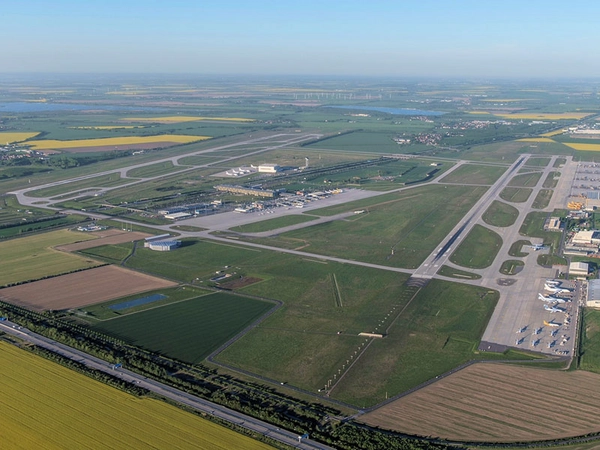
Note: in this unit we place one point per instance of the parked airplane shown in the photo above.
(520, 330)
(552, 324)
(535, 342)
(550, 299)
(557, 290)
(553, 309)
(538, 330)
(553, 282)
(537, 247)
(519, 341)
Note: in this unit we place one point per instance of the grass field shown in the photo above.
(113, 179)
(448, 271)
(179, 119)
(52, 407)
(409, 222)
(544, 116)
(537, 162)
(154, 170)
(533, 226)
(516, 249)
(551, 180)
(474, 174)
(516, 195)
(498, 403)
(479, 249)
(9, 137)
(525, 180)
(500, 214)
(590, 344)
(542, 200)
(272, 224)
(188, 330)
(32, 258)
(511, 267)
(53, 144)
(439, 330)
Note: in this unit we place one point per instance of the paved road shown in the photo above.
(250, 423)
(439, 256)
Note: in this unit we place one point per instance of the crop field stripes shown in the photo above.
(336, 292)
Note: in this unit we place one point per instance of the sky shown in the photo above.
(434, 38)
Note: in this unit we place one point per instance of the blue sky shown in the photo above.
(525, 38)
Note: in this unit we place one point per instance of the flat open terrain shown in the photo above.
(503, 403)
(474, 174)
(34, 257)
(500, 214)
(44, 405)
(479, 249)
(188, 330)
(105, 237)
(83, 288)
(117, 143)
(398, 229)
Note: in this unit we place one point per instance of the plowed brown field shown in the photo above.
(105, 237)
(84, 288)
(498, 402)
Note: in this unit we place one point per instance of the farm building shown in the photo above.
(593, 294)
(163, 246)
(268, 168)
(579, 269)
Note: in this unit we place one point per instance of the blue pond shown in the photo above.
(397, 111)
(137, 302)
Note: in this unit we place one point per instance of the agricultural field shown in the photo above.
(407, 222)
(179, 119)
(500, 403)
(118, 143)
(583, 147)
(590, 345)
(500, 214)
(43, 408)
(83, 288)
(474, 174)
(479, 249)
(544, 116)
(188, 330)
(10, 137)
(34, 257)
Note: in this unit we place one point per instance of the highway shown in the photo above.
(234, 417)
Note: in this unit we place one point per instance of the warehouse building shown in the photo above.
(268, 168)
(579, 269)
(593, 294)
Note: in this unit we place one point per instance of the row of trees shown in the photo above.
(253, 399)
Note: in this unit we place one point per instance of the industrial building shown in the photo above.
(593, 294)
(178, 216)
(246, 191)
(268, 168)
(163, 246)
(579, 269)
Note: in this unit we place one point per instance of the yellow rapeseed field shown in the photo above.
(8, 137)
(478, 112)
(544, 116)
(51, 144)
(45, 405)
(584, 147)
(536, 139)
(177, 119)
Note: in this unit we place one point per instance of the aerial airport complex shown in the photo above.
(407, 263)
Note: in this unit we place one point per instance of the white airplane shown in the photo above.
(520, 330)
(537, 247)
(557, 290)
(535, 342)
(519, 341)
(552, 324)
(553, 309)
(550, 299)
(553, 282)
(538, 330)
